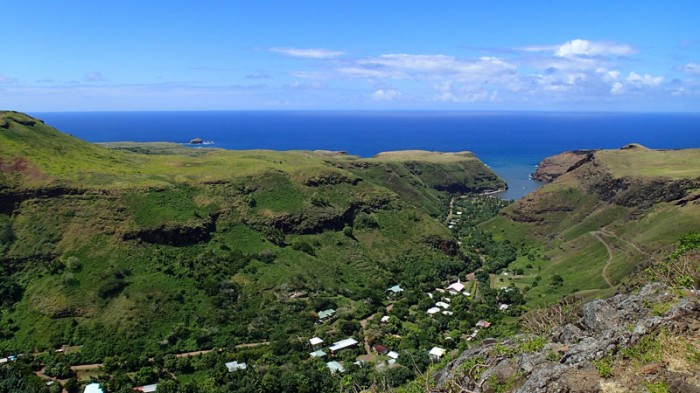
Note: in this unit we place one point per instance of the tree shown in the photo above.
(167, 386)
(347, 231)
(556, 281)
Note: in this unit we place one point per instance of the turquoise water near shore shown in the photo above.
(511, 143)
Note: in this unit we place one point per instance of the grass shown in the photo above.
(556, 223)
(220, 291)
(673, 164)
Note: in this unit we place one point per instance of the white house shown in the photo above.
(342, 344)
(385, 319)
(316, 341)
(93, 388)
(436, 353)
(456, 288)
(433, 310)
(503, 307)
(317, 354)
(233, 366)
(335, 367)
(147, 388)
(442, 304)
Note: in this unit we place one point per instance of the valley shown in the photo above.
(157, 263)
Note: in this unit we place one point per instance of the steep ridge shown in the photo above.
(641, 199)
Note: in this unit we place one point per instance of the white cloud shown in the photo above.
(692, 68)
(312, 53)
(430, 68)
(386, 95)
(646, 80)
(584, 48)
(305, 86)
(258, 75)
(94, 76)
(617, 88)
(308, 75)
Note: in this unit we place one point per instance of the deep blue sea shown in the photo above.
(511, 143)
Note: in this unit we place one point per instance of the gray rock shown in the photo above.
(604, 327)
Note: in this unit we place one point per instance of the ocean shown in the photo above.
(511, 143)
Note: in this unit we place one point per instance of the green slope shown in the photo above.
(153, 248)
(637, 202)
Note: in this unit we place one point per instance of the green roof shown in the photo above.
(325, 313)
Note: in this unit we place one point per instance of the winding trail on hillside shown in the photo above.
(607, 232)
(605, 275)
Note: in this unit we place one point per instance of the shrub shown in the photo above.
(347, 231)
(604, 367)
(304, 247)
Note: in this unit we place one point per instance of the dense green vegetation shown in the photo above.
(139, 252)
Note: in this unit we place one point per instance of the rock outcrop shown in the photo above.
(552, 167)
(566, 362)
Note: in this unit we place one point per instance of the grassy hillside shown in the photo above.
(602, 221)
(172, 249)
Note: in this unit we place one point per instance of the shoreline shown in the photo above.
(500, 190)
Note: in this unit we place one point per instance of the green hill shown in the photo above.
(606, 215)
(154, 248)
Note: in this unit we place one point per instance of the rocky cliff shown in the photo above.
(552, 167)
(650, 338)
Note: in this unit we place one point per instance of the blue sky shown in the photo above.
(427, 55)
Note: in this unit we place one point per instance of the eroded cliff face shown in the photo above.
(580, 180)
(618, 344)
(553, 167)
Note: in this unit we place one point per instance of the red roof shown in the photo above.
(380, 349)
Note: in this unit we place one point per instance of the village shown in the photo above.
(414, 321)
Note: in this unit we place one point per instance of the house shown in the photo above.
(433, 310)
(316, 341)
(325, 314)
(442, 304)
(233, 366)
(343, 344)
(436, 353)
(448, 313)
(503, 307)
(335, 367)
(456, 288)
(459, 213)
(395, 290)
(384, 319)
(483, 324)
(392, 354)
(93, 388)
(318, 354)
(380, 349)
(147, 388)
